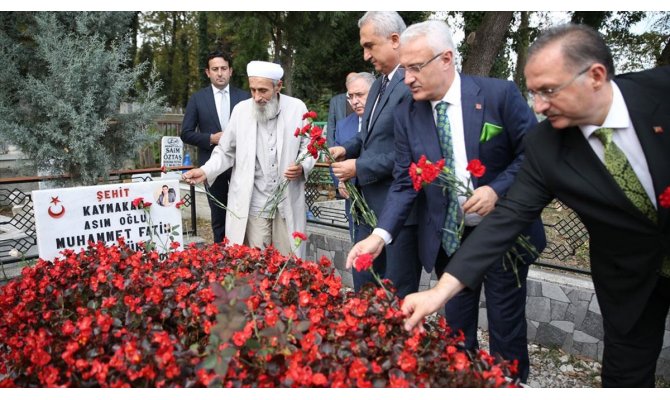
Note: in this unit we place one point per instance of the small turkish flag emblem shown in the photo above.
(478, 106)
(58, 210)
(658, 129)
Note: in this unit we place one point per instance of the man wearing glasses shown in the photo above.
(460, 118)
(369, 157)
(604, 151)
(358, 87)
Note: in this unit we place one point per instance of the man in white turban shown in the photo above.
(260, 145)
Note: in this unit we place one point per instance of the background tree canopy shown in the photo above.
(318, 48)
(63, 75)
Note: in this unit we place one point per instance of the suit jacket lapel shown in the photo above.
(234, 98)
(473, 118)
(398, 77)
(424, 134)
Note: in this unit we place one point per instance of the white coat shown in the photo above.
(237, 149)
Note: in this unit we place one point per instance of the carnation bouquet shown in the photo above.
(360, 211)
(425, 172)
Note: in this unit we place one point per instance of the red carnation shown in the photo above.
(363, 262)
(300, 235)
(309, 114)
(424, 172)
(476, 168)
(138, 202)
(664, 198)
(297, 132)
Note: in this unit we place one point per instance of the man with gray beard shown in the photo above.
(260, 146)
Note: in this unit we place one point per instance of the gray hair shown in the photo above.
(437, 34)
(385, 23)
(581, 45)
(367, 77)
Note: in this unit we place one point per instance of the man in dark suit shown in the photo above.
(599, 130)
(358, 87)
(487, 119)
(339, 108)
(371, 154)
(205, 119)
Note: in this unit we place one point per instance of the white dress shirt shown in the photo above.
(217, 101)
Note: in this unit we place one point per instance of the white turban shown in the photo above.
(265, 69)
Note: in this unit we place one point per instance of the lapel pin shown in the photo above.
(658, 129)
(478, 106)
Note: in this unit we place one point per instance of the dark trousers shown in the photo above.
(220, 191)
(398, 262)
(505, 310)
(629, 359)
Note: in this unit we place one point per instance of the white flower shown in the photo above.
(15, 253)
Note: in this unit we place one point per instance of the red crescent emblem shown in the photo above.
(55, 201)
(57, 214)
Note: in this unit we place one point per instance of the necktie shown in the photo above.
(385, 82)
(224, 110)
(382, 88)
(617, 164)
(450, 236)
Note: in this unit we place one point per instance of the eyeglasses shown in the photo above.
(351, 97)
(415, 69)
(547, 94)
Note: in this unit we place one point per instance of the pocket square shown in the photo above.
(489, 131)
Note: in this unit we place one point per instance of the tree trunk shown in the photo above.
(203, 48)
(171, 50)
(521, 48)
(486, 43)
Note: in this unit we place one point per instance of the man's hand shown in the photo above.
(342, 190)
(338, 152)
(372, 244)
(215, 137)
(418, 305)
(194, 176)
(293, 172)
(482, 201)
(344, 170)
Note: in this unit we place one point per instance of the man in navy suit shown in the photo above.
(358, 87)
(205, 119)
(339, 108)
(487, 119)
(594, 122)
(371, 154)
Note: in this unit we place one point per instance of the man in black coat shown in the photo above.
(570, 76)
(205, 119)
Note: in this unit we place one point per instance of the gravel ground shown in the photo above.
(554, 368)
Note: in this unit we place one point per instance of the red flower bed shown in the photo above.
(216, 316)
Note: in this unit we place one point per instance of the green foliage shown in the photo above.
(63, 112)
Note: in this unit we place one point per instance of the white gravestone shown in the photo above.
(68, 218)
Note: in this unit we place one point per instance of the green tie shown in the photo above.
(450, 232)
(617, 164)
